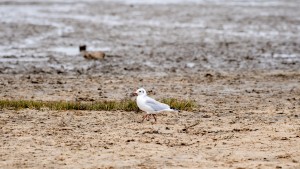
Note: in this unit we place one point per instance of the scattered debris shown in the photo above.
(185, 129)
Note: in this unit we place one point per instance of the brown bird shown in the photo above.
(96, 55)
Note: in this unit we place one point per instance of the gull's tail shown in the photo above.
(170, 109)
(175, 110)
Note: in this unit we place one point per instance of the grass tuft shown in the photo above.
(125, 105)
(187, 105)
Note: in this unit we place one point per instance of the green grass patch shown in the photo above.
(126, 105)
(187, 105)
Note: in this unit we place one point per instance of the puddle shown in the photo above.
(215, 2)
(190, 65)
(66, 50)
(23, 59)
(75, 50)
(285, 55)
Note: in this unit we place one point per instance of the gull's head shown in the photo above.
(140, 92)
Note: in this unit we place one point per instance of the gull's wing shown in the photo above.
(155, 105)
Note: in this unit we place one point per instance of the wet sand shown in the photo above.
(240, 62)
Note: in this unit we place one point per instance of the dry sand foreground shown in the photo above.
(243, 121)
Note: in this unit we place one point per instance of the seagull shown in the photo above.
(149, 105)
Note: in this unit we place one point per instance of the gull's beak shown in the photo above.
(134, 94)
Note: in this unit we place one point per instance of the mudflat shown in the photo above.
(239, 62)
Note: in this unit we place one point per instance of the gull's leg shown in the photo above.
(148, 117)
(154, 115)
(144, 116)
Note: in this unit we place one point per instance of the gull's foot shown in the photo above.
(148, 117)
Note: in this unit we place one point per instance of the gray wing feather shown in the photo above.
(155, 105)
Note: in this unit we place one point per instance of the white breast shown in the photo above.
(140, 100)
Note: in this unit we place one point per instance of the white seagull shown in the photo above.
(149, 105)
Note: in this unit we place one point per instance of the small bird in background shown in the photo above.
(149, 105)
(96, 55)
